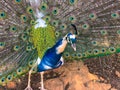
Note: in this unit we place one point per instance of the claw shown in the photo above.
(42, 88)
(28, 88)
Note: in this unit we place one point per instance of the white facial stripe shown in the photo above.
(72, 36)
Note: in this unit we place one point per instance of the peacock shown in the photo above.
(32, 30)
(52, 58)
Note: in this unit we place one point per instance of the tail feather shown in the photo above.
(16, 51)
(97, 22)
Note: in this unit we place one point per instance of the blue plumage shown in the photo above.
(51, 59)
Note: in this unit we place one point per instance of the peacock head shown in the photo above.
(71, 37)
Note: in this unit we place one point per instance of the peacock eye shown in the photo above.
(2, 15)
(72, 18)
(115, 15)
(68, 39)
(17, 1)
(47, 18)
(55, 11)
(43, 7)
(30, 10)
(72, 2)
(24, 18)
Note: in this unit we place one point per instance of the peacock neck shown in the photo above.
(61, 48)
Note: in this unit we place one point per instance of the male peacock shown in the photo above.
(52, 58)
(28, 28)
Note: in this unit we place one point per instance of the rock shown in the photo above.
(54, 84)
(117, 73)
(11, 85)
(75, 79)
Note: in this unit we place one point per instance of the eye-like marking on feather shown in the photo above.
(74, 55)
(112, 49)
(55, 11)
(43, 7)
(24, 18)
(79, 55)
(29, 10)
(30, 63)
(66, 54)
(2, 45)
(16, 47)
(34, 70)
(24, 37)
(85, 26)
(63, 26)
(9, 78)
(103, 50)
(47, 18)
(55, 23)
(96, 51)
(19, 70)
(57, 34)
(72, 2)
(13, 28)
(94, 43)
(28, 48)
(17, 1)
(103, 32)
(2, 80)
(93, 16)
(2, 15)
(72, 18)
(115, 15)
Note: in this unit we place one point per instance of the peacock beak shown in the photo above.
(73, 46)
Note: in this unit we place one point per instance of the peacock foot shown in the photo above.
(28, 88)
(41, 88)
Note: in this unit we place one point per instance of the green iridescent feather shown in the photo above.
(43, 38)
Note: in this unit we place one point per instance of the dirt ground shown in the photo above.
(72, 76)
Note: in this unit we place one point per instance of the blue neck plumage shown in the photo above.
(61, 44)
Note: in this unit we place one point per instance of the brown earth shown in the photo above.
(72, 76)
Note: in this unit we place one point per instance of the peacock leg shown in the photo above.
(42, 83)
(29, 77)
